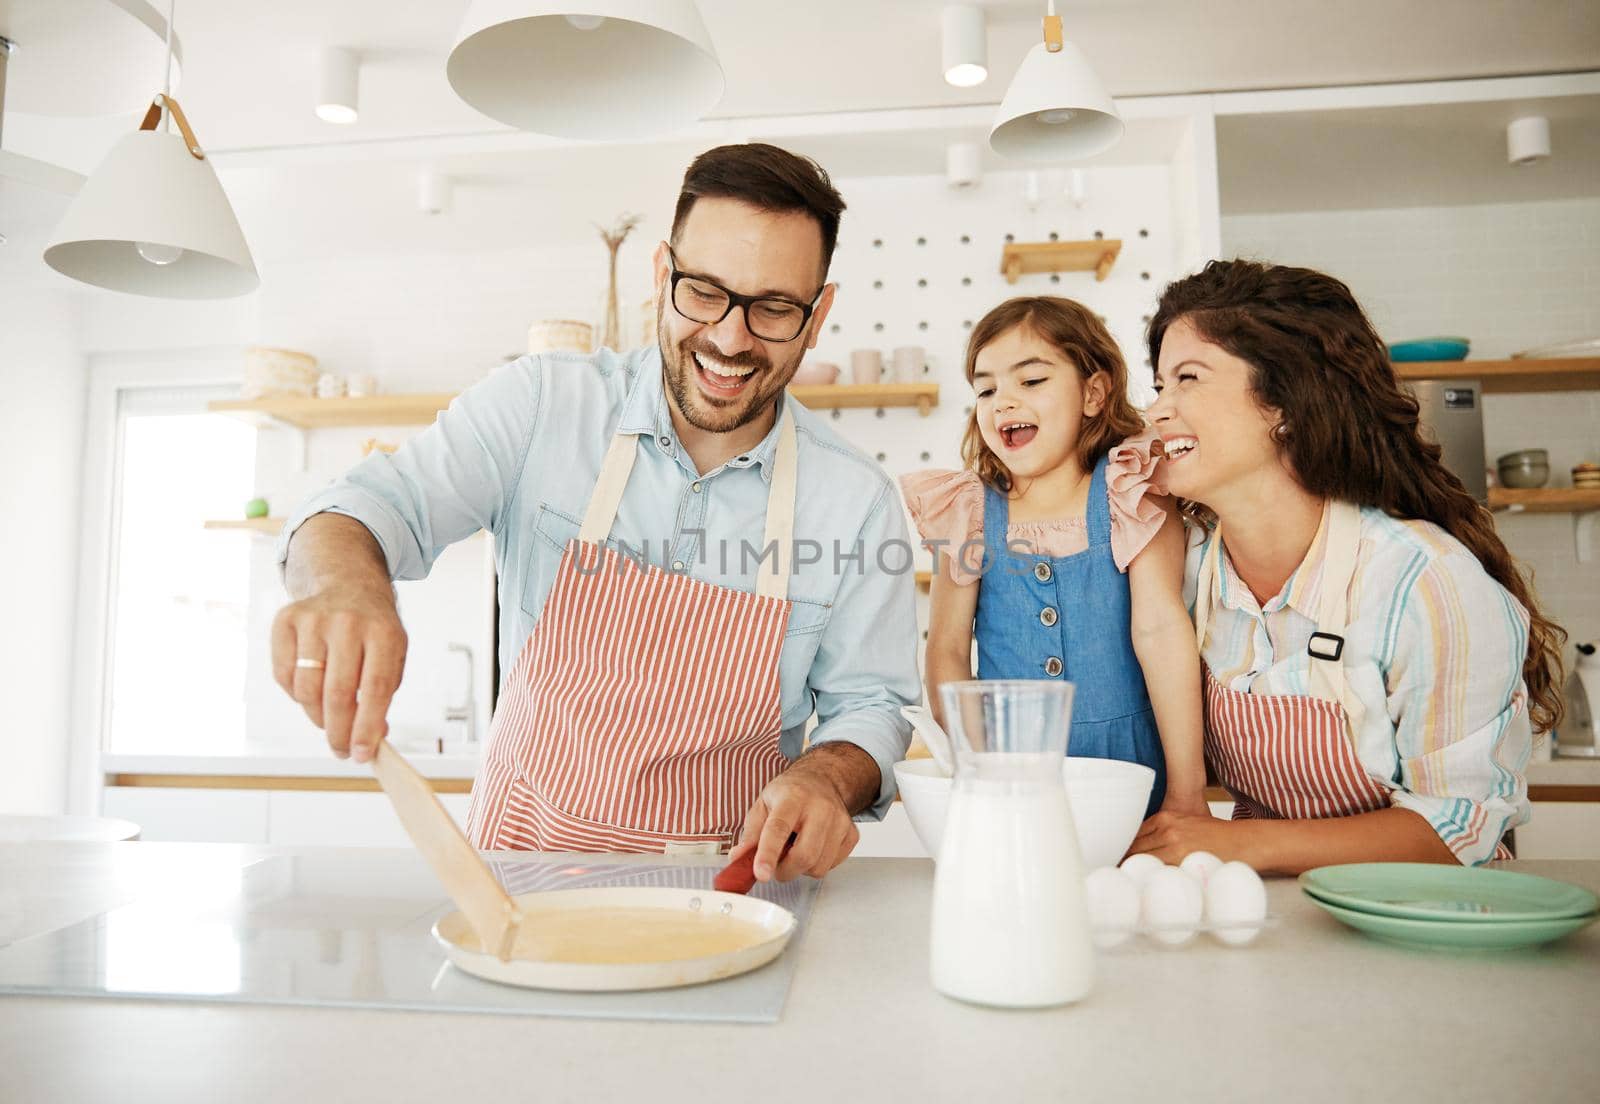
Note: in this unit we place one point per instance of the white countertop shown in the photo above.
(1312, 1011)
(1565, 772)
(301, 762)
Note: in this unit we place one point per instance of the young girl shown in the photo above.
(1058, 550)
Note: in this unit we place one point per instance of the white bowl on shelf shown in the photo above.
(1107, 796)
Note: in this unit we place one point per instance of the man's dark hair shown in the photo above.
(766, 177)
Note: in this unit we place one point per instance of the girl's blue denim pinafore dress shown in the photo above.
(1069, 617)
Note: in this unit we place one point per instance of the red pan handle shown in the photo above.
(740, 875)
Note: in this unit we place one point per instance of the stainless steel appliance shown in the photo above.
(1579, 734)
(1452, 415)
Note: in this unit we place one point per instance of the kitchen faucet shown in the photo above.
(467, 711)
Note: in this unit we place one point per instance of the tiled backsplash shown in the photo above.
(1508, 276)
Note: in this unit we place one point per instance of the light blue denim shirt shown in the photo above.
(519, 454)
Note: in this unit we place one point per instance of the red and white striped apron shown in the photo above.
(643, 712)
(1285, 756)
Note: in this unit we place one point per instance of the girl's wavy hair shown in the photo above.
(1349, 429)
(1075, 332)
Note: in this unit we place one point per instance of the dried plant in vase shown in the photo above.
(611, 330)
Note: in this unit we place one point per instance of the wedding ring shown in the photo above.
(306, 663)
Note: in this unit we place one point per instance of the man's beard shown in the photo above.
(696, 407)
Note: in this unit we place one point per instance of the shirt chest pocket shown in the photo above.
(806, 619)
(556, 527)
(552, 530)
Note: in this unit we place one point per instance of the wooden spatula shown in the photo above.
(466, 877)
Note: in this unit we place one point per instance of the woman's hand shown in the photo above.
(1185, 804)
(1170, 836)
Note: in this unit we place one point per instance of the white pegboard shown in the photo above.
(918, 263)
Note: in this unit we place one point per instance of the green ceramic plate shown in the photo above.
(1450, 934)
(1467, 895)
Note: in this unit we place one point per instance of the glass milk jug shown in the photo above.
(1010, 920)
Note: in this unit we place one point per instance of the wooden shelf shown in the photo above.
(268, 525)
(1018, 259)
(370, 410)
(1544, 500)
(1503, 377)
(833, 396)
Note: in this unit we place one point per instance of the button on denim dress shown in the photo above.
(1068, 617)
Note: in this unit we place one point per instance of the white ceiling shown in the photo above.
(303, 187)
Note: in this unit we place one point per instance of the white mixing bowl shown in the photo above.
(1107, 796)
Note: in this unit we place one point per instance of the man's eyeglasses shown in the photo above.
(768, 317)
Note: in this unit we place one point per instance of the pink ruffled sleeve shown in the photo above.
(947, 506)
(1137, 496)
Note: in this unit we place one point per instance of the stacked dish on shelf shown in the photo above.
(271, 373)
(1428, 905)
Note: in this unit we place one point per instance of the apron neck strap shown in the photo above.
(607, 496)
(1343, 541)
(618, 465)
(780, 514)
(1327, 646)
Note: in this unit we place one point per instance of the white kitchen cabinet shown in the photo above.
(890, 838)
(1561, 830)
(345, 819)
(181, 814)
(186, 815)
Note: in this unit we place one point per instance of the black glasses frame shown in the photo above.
(743, 302)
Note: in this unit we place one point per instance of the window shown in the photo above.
(180, 594)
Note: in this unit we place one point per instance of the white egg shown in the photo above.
(1236, 903)
(1113, 905)
(1139, 867)
(1171, 905)
(1200, 865)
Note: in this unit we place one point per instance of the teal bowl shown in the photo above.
(1430, 348)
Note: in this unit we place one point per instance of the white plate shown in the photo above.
(777, 924)
(1587, 348)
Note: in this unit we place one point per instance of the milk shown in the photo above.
(1010, 918)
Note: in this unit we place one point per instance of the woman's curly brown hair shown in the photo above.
(1350, 430)
(1074, 331)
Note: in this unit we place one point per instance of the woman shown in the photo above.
(1373, 658)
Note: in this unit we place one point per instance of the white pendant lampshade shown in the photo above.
(153, 220)
(586, 68)
(1056, 108)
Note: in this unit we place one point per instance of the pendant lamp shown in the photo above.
(153, 219)
(1056, 108)
(601, 69)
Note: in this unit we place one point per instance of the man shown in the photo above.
(690, 563)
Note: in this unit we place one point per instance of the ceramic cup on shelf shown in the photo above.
(815, 373)
(909, 361)
(866, 366)
(361, 385)
(330, 386)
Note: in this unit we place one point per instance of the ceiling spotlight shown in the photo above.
(1056, 108)
(340, 77)
(434, 192)
(1528, 140)
(966, 45)
(962, 164)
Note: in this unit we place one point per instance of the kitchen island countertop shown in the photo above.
(1311, 1011)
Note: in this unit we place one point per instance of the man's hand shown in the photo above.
(347, 630)
(813, 799)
